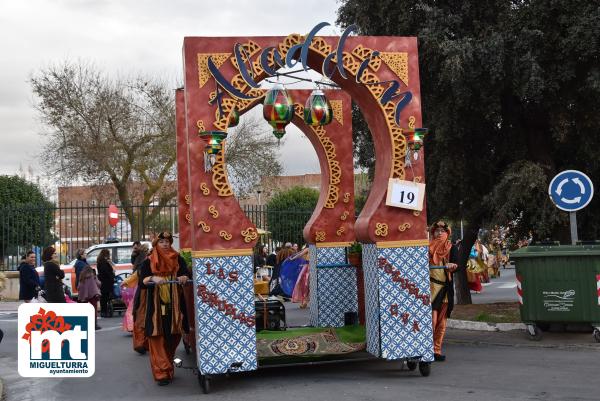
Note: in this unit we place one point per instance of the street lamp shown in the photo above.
(460, 205)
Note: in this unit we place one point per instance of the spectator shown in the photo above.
(80, 263)
(135, 251)
(89, 290)
(53, 276)
(106, 274)
(272, 258)
(29, 280)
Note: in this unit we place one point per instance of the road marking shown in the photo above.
(507, 285)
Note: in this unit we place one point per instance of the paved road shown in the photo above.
(480, 366)
(501, 289)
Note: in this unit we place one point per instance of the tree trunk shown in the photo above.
(461, 284)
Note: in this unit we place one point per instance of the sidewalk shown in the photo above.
(9, 306)
(519, 338)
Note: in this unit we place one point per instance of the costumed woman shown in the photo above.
(442, 260)
(164, 311)
(129, 288)
(475, 267)
(301, 292)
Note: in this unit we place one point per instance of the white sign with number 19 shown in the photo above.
(405, 194)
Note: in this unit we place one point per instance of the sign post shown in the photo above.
(571, 190)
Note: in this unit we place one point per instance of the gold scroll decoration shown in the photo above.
(344, 215)
(188, 218)
(335, 172)
(398, 62)
(347, 197)
(219, 177)
(320, 236)
(250, 48)
(204, 188)
(403, 227)
(213, 211)
(188, 199)
(205, 227)
(416, 212)
(336, 106)
(200, 125)
(203, 73)
(340, 231)
(381, 229)
(249, 234)
(225, 235)
(411, 122)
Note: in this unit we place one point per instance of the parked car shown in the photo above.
(120, 253)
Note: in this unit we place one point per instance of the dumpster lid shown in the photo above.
(562, 250)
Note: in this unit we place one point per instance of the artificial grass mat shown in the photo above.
(346, 334)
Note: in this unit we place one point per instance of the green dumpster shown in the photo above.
(558, 284)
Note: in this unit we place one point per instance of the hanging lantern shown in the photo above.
(278, 109)
(234, 117)
(213, 146)
(415, 139)
(317, 110)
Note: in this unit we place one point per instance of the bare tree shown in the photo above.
(105, 130)
(251, 153)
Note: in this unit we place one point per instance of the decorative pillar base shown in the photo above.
(225, 314)
(398, 303)
(332, 287)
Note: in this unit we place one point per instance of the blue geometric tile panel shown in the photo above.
(313, 287)
(225, 327)
(404, 303)
(369, 255)
(333, 288)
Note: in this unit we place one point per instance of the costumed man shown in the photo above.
(164, 312)
(442, 259)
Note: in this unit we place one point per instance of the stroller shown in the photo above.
(116, 303)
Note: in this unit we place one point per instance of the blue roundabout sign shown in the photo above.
(571, 190)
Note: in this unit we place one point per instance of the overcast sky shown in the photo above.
(129, 37)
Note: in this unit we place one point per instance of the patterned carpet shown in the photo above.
(322, 343)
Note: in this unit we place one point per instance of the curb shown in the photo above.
(483, 326)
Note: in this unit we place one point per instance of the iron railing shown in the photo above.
(70, 226)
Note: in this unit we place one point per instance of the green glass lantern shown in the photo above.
(317, 110)
(213, 146)
(415, 139)
(278, 109)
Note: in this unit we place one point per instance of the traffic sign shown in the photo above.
(571, 190)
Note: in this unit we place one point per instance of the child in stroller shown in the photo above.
(116, 302)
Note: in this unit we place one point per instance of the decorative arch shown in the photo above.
(377, 222)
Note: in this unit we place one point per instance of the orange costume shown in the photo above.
(164, 316)
(441, 252)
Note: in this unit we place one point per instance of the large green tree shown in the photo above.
(25, 216)
(510, 91)
(288, 213)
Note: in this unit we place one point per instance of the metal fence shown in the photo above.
(71, 226)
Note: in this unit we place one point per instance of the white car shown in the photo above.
(120, 253)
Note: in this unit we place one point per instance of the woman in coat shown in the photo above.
(53, 276)
(106, 275)
(29, 280)
(89, 290)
